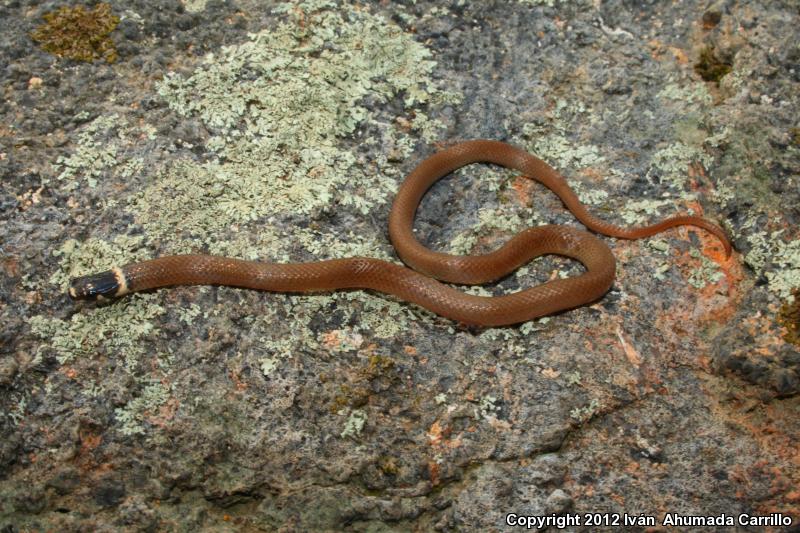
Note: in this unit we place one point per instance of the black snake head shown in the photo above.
(102, 286)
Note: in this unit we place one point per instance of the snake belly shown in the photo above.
(422, 283)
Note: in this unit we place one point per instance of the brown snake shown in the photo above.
(418, 285)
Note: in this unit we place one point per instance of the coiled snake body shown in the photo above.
(420, 285)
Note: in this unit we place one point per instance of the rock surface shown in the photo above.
(279, 132)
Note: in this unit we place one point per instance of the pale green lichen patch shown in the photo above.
(97, 152)
(783, 257)
(588, 196)
(195, 6)
(671, 164)
(92, 157)
(131, 419)
(490, 221)
(354, 425)
(693, 93)
(585, 413)
(565, 154)
(117, 328)
(643, 211)
(707, 272)
(278, 105)
(95, 255)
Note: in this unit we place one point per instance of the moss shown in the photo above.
(356, 393)
(789, 318)
(794, 135)
(711, 66)
(79, 34)
(389, 465)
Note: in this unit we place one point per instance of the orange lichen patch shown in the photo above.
(435, 434)
(410, 350)
(69, 371)
(238, 383)
(166, 412)
(550, 373)
(773, 427)
(89, 440)
(717, 309)
(433, 472)
(679, 54)
(522, 186)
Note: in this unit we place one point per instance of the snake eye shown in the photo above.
(94, 287)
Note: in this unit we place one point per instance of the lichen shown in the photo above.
(79, 34)
(117, 329)
(95, 255)
(692, 93)
(487, 408)
(277, 105)
(131, 418)
(93, 156)
(671, 164)
(777, 260)
(585, 413)
(785, 280)
(356, 419)
(642, 211)
(565, 154)
(588, 196)
(707, 272)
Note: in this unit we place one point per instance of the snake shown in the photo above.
(424, 281)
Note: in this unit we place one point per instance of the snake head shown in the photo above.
(102, 286)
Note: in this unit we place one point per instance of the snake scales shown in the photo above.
(419, 284)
